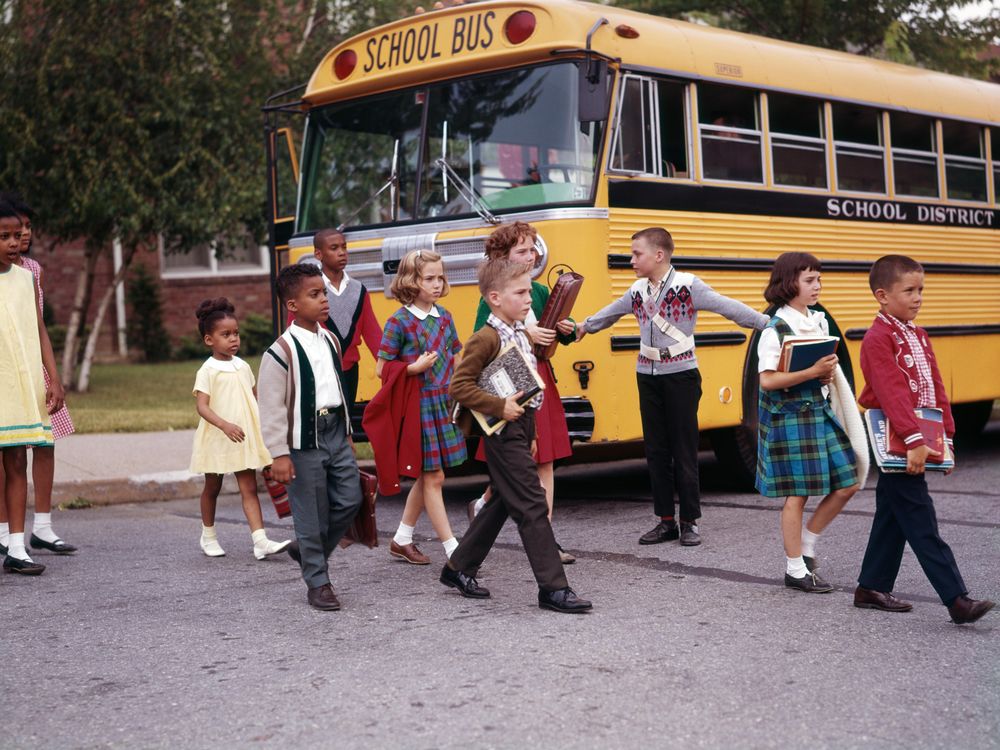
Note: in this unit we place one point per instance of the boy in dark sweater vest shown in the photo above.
(901, 374)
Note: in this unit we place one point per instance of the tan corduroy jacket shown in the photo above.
(481, 349)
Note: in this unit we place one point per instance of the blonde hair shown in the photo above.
(404, 286)
(495, 275)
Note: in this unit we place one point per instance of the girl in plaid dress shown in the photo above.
(802, 449)
(43, 461)
(422, 334)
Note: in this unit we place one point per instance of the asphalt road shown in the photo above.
(141, 641)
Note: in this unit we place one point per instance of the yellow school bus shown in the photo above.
(591, 123)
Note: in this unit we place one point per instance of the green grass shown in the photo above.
(145, 398)
(139, 397)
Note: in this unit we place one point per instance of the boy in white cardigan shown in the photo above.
(306, 428)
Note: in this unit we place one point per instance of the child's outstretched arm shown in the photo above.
(706, 298)
(233, 431)
(605, 317)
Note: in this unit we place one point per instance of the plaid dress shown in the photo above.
(405, 338)
(802, 449)
(62, 423)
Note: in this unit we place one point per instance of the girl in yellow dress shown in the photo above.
(26, 402)
(228, 438)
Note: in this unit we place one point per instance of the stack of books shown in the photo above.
(509, 373)
(802, 352)
(889, 449)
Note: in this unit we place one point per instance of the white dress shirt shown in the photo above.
(317, 349)
(769, 348)
(336, 291)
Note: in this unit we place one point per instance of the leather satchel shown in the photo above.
(558, 307)
(363, 529)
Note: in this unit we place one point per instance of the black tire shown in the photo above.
(736, 450)
(971, 418)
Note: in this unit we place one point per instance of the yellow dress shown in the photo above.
(24, 419)
(229, 385)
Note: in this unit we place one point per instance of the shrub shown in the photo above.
(145, 326)
(255, 334)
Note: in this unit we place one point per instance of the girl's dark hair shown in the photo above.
(7, 211)
(211, 311)
(16, 202)
(783, 285)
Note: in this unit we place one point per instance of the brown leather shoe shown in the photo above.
(965, 610)
(408, 552)
(322, 597)
(869, 599)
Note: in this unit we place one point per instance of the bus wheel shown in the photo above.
(736, 450)
(971, 418)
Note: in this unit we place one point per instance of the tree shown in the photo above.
(929, 33)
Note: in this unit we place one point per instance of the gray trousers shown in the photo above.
(325, 496)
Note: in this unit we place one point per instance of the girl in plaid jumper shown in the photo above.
(802, 449)
(422, 334)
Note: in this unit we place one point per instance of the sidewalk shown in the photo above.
(128, 467)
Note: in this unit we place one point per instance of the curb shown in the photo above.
(144, 488)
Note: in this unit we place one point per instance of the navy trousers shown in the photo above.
(904, 512)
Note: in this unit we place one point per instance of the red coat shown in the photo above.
(392, 423)
(889, 367)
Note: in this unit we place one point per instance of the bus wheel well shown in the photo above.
(971, 418)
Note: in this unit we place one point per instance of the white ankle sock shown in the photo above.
(15, 547)
(42, 527)
(208, 532)
(480, 503)
(4, 534)
(450, 545)
(796, 567)
(809, 543)
(259, 536)
(404, 535)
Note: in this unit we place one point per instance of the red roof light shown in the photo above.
(344, 63)
(519, 26)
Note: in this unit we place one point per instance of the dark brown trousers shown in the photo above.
(517, 493)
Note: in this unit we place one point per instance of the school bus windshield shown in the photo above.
(514, 136)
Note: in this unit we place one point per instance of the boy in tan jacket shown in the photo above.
(517, 493)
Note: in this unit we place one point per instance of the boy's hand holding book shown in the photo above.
(511, 409)
(916, 458)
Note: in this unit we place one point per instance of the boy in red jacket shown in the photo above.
(901, 374)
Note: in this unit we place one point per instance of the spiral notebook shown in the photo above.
(511, 371)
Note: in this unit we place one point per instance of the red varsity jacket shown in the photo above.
(889, 368)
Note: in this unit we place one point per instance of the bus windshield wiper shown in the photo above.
(468, 193)
(391, 184)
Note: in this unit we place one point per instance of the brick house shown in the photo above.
(185, 280)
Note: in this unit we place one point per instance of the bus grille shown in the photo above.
(579, 418)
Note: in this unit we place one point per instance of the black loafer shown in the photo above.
(24, 567)
(689, 535)
(467, 585)
(810, 583)
(58, 546)
(3, 549)
(664, 531)
(564, 600)
(293, 551)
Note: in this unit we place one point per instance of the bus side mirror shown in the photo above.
(594, 93)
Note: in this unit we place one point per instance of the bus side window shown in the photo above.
(914, 155)
(672, 101)
(964, 162)
(798, 141)
(995, 146)
(633, 150)
(859, 149)
(730, 133)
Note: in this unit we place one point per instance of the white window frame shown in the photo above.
(705, 131)
(650, 109)
(214, 270)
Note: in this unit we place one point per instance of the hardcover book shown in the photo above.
(508, 373)
(931, 425)
(879, 435)
(802, 352)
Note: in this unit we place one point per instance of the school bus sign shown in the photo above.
(412, 48)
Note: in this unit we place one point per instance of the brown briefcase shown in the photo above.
(363, 529)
